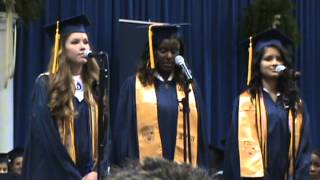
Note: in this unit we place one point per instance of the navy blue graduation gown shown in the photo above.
(45, 156)
(278, 144)
(82, 131)
(124, 126)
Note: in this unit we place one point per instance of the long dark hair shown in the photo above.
(145, 73)
(286, 86)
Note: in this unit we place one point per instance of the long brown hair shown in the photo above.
(61, 87)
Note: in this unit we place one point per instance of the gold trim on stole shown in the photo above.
(249, 133)
(253, 135)
(66, 130)
(148, 129)
(298, 131)
(94, 126)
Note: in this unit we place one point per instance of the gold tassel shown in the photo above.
(55, 64)
(250, 61)
(150, 35)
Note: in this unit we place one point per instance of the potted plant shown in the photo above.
(10, 11)
(25, 9)
(261, 15)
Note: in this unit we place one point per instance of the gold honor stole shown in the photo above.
(253, 135)
(66, 130)
(148, 128)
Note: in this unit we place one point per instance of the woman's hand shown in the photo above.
(91, 176)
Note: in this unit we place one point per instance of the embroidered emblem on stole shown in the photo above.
(148, 129)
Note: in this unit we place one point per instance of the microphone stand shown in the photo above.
(292, 106)
(186, 123)
(104, 78)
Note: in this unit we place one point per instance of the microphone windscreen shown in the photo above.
(280, 68)
(87, 53)
(179, 60)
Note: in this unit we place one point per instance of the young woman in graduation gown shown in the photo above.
(62, 139)
(263, 142)
(149, 116)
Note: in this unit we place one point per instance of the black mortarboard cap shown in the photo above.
(156, 31)
(69, 25)
(164, 31)
(16, 152)
(271, 37)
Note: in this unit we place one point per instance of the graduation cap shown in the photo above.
(270, 37)
(68, 25)
(64, 27)
(157, 31)
(4, 158)
(16, 152)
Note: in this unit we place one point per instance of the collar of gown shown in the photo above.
(79, 92)
(159, 77)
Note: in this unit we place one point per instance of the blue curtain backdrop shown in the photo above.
(212, 49)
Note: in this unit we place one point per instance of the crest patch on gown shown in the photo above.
(148, 133)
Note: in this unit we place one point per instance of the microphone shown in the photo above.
(180, 62)
(290, 73)
(89, 54)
